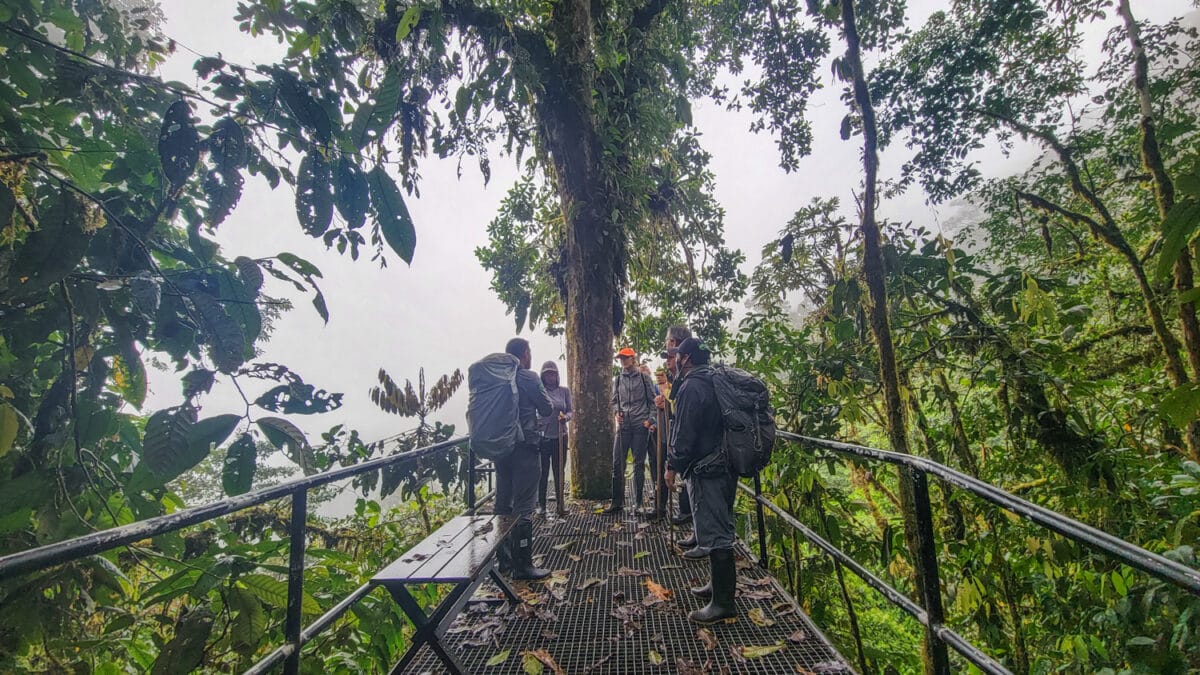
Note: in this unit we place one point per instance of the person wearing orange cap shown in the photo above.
(633, 403)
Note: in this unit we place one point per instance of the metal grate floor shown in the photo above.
(596, 614)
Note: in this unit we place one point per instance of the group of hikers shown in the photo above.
(683, 398)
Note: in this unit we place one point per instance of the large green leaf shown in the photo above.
(210, 432)
(165, 446)
(10, 424)
(314, 194)
(289, 438)
(237, 476)
(392, 214)
(185, 652)
(372, 120)
(274, 592)
(303, 107)
(351, 193)
(1177, 229)
(225, 338)
(250, 622)
(227, 143)
(52, 251)
(1182, 405)
(178, 143)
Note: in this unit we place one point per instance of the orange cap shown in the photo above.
(626, 351)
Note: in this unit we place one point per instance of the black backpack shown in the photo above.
(748, 418)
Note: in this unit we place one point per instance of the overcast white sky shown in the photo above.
(440, 313)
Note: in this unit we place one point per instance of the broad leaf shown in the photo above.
(178, 143)
(10, 424)
(314, 195)
(1177, 229)
(226, 341)
(274, 592)
(1182, 405)
(237, 476)
(52, 251)
(351, 193)
(288, 437)
(185, 652)
(165, 445)
(392, 214)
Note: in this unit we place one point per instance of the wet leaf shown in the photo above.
(544, 658)
(640, 554)
(597, 665)
(658, 590)
(590, 582)
(565, 545)
(754, 652)
(499, 658)
(531, 664)
(630, 572)
(654, 658)
(706, 636)
(686, 667)
(549, 634)
(760, 618)
(798, 636)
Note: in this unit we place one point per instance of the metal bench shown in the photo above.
(462, 553)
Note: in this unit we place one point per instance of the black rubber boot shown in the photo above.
(504, 556)
(704, 591)
(522, 555)
(724, 586)
(690, 542)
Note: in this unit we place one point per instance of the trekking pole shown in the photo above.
(562, 468)
(666, 414)
(660, 481)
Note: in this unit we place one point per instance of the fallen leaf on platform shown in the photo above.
(599, 551)
(706, 636)
(545, 614)
(654, 658)
(761, 581)
(782, 608)
(565, 545)
(630, 572)
(546, 659)
(671, 567)
(549, 634)
(798, 636)
(685, 667)
(640, 554)
(589, 582)
(597, 665)
(575, 558)
(754, 652)
(531, 664)
(756, 594)
(658, 590)
(499, 658)
(619, 597)
(760, 618)
(625, 543)
(558, 593)
(745, 564)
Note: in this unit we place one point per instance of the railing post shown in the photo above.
(296, 548)
(762, 522)
(470, 479)
(927, 579)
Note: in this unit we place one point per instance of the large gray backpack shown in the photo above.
(748, 419)
(492, 414)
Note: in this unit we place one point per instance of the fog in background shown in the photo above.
(440, 313)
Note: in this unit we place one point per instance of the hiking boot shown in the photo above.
(681, 519)
(690, 542)
(697, 553)
(522, 555)
(615, 508)
(723, 571)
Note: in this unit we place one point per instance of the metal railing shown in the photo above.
(295, 634)
(930, 612)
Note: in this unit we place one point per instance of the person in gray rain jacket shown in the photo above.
(554, 437)
(633, 403)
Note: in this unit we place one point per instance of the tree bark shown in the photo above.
(1164, 193)
(934, 656)
(570, 129)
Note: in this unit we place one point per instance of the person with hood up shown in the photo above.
(554, 438)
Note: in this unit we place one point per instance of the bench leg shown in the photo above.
(427, 627)
(500, 581)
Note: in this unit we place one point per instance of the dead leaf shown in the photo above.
(545, 614)
(782, 608)
(543, 658)
(575, 557)
(658, 590)
(706, 636)
(685, 667)
(798, 636)
(760, 618)
(549, 634)
(599, 551)
(754, 652)
(671, 567)
(565, 545)
(630, 572)
(531, 664)
(640, 554)
(499, 658)
(756, 594)
(597, 665)
(589, 582)
(654, 658)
